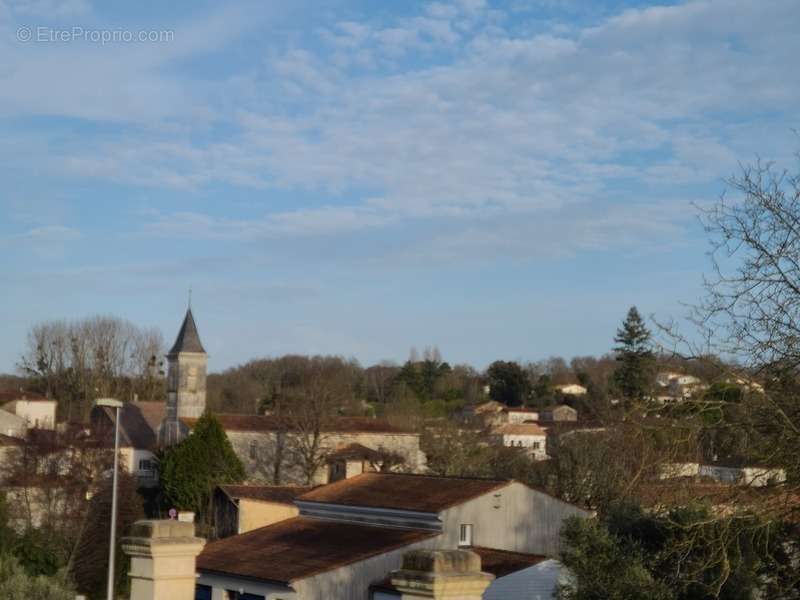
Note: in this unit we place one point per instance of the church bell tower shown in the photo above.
(187, 362)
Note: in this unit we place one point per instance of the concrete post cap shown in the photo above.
(162, 528)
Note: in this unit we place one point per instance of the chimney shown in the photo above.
(162, 560)
(441, 574)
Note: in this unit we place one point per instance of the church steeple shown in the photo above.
(187, 362)
(188, 339)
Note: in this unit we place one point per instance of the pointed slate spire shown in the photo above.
(188, 339)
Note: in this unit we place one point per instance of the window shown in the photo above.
(202, 592)
(465, 535)
(233, 595)
(145, 464)
(535, 445)
(253, 450)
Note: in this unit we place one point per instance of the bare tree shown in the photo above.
(74, 362)
(314, 396)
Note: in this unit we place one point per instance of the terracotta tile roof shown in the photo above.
(280, 494)
(273, 423)
(301, 547)
(504, 562)
(519, 429)
(420, 493)
(353, 452)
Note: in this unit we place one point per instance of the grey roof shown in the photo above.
(188, 339)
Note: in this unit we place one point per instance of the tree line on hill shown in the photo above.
(647, 540)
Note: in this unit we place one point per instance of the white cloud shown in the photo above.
(454, 115)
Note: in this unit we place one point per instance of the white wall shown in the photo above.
(352, 582)
(529, 442)
(37, 413)
(514, 517)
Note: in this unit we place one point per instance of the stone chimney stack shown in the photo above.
(441, 574)
(162, 560)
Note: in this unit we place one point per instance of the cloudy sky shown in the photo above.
(499, 179)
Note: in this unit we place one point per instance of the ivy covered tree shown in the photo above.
(634, 374)
(190, 470)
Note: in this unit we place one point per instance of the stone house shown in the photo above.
(561, 412)
(257, 438)
(350, 535)
(572, 389)
(138, 436)
(527, 436)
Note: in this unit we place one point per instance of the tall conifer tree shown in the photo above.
(634, 375)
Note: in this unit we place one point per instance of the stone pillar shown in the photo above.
(162, 560)
(438, 574)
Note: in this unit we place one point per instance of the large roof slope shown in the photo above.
(301, 547)
(419, 493)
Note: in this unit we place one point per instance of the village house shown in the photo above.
(558, 413)
(350, 535)
(571, 389)
(527, 436)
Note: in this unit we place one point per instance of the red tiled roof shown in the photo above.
(273, 423)
(280, 494)
(504, 562)
(301, 547)
(519, 429)
(420, 493)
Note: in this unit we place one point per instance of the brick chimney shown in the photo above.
(441, 574)
(162, 560)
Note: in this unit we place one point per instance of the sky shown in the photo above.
(501, 180)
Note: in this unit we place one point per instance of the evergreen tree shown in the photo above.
(508, 383)
(190, 470)
(634, 374)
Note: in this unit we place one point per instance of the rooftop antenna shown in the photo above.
(190, 298)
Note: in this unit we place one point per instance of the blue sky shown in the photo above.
(499, 179)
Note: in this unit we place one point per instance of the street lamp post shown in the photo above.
(115, 404)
